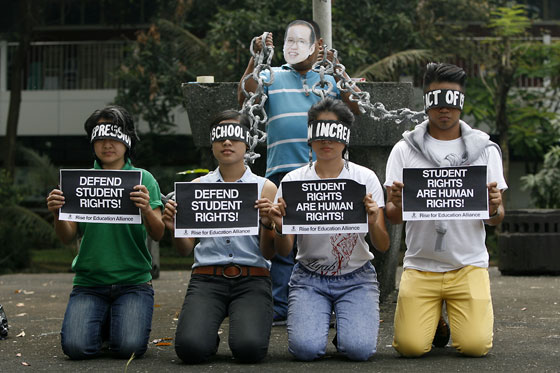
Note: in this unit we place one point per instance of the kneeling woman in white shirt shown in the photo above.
(334, 271)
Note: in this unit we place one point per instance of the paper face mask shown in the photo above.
(298, 46)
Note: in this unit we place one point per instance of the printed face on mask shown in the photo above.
(298, 46)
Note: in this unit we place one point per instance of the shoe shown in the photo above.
(443, 333)
(3, 324)
(279, 321)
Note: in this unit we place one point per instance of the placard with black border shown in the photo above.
(324, 206)
(99, 196)
(216, 209)
(445, 193)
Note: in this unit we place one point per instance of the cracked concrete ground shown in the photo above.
(526, 332)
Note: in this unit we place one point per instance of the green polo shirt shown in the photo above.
(116, 253)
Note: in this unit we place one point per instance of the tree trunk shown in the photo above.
(505, 81)
(16, 86)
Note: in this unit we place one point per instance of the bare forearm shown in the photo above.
(184, 246)
(65, 230)
(153, 223)
(283, 243)
(379, 237)
(250, 84)
(394, 213)
(267, 243)
(353, 105)
(497, 219)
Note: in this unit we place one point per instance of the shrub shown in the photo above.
(545, 184)
(20, 228)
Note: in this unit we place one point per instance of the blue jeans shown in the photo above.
(122, 313)
(355, 299)
(209, 300)
(281, 270)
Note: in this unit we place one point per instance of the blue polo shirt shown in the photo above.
(289, 99)
(241, 250)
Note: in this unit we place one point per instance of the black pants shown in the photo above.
(209, 300)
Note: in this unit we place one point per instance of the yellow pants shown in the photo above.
(466, 292)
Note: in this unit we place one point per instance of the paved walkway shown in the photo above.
(526, 337)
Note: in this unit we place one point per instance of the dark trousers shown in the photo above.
(209, 300)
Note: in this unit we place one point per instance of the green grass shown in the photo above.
(170, 260)
(51, 260)
(60, 260)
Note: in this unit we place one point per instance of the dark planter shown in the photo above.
(529, 242)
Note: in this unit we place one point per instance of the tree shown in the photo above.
(20, 228)
(152, 73)
(520, 117)
(379, 40)
(28, 15)
(545, 184)
(160, 59)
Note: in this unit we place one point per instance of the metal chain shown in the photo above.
(376, 111)
(254, 102)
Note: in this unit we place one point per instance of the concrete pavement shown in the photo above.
(526, 333)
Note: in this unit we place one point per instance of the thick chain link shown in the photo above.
(254, 102)
(376, 111)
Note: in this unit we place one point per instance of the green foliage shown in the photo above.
(545, 184)
(39, 176)
(153, 71)
(381, 39)
(9, 192)
(479, 103)
(51, 260)
(387, 68)
(530, 112)
(20, 227)
(364, 32)
(532, 131)
(524, 118)
(234, 25)
(509, 21)
(440, 23)
(60, 259)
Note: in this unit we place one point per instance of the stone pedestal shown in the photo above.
(370, 144)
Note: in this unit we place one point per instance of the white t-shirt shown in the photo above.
(464, 242)
(341, 253)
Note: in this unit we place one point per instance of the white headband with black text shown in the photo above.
(333, 130)
(112, 132)
(449, 98)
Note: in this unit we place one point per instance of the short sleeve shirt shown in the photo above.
(342, 253)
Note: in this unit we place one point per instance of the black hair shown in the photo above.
(339, 109)
(313, 26)
(444, 72)
(316, 28)
(336, 107)
(233, 115)
(118, 115)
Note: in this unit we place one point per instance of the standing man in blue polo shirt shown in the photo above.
(289, 99)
